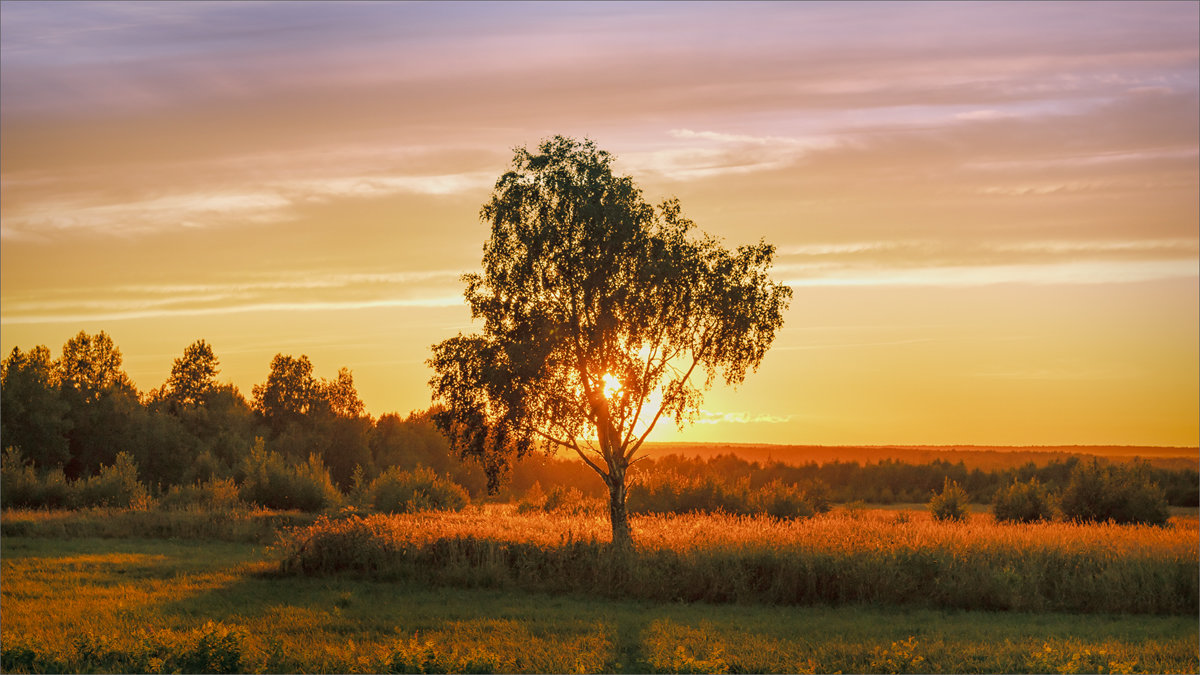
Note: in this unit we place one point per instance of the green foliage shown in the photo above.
(950, 503)
(1023, 502)
(268, 480)
(396, 491)
(115, 486)
(674, 493)
(219, 494)
(32, 410)
(560, 499)
(1120, 493)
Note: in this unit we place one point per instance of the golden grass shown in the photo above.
(846, 556)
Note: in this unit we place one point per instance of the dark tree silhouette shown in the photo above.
(288, 393)
(601, 315)
(193, 376)
(90, 367)
(32, 411)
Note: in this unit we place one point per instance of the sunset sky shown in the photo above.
(988, 212)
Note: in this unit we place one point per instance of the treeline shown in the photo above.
(890, 481)
(68, 419)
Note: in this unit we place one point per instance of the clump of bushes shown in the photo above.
(268, 480)
(396, 491)
(116, 485)
(562, 500)
(950, 503)
(219, 494)
(672, 493)
(1120, 493)
(1027, 502)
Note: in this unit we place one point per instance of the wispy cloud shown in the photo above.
(711, 417)
(959, 263)
(322, 292)
(270, 201)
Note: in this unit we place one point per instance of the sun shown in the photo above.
(612, 386)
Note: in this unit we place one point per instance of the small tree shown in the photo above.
(598, 312)
(950, 503)
(1020, 502)
(1121, 493)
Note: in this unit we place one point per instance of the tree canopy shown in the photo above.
(601, 316)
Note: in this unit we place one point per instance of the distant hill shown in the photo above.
(986, 458)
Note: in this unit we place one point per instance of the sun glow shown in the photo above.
(612, 386)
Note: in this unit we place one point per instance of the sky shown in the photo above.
(988, 212)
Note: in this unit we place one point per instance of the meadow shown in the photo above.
(186, 591)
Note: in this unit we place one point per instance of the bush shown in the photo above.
(19, 484)
(672, 493)
(396, 491)
(950, 503)
(1023, 503)
(217, 494)
(1120, 493)
(115, 486)
(780, 500)
(268, 480)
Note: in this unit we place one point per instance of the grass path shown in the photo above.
(107, 604)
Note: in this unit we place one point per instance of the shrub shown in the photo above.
(672, 493)
(1023, 503)
(115, 486)
(533, 500)
(268, 480)
(217, 494)
(1120, 493)
(780, 500)
(396, 491)
(950, 503)
(19, 484)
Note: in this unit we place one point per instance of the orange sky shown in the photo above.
(988, 212)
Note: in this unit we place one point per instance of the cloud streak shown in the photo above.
(323, 292)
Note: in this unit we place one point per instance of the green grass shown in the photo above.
(135, 604)
(255, 525)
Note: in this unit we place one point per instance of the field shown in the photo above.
(175, 597)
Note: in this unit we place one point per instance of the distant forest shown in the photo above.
(73, 415)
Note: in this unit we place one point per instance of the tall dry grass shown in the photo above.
(836, 558)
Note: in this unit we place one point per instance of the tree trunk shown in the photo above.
(622, 536)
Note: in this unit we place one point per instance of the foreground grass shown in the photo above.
(130, 605)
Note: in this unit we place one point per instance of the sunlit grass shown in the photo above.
(864, 557)
(144, 602)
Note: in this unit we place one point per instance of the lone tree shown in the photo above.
(602, 315)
